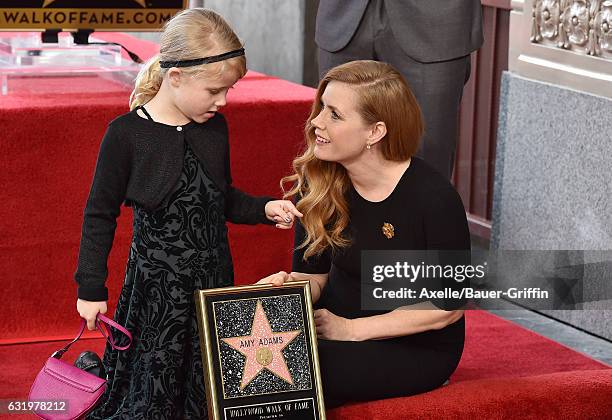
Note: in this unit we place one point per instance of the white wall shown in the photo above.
(272, 31)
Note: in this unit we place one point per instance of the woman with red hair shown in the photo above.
(360, 187)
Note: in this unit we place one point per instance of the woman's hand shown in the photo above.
(329, 326)
(89, 311)
(333, 327)
(282, 212)
(277, 279)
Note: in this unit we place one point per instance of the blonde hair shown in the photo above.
(191, 33)
(383, 95)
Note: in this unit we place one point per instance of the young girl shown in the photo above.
(169, 159)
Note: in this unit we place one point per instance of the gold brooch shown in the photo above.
(388, 230)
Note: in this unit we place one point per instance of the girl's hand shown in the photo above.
(333, 327)
(277, 279)
(89, 311)
(282, 212)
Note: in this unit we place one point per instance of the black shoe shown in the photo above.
(90, 362)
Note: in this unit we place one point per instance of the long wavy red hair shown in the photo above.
(321, 186)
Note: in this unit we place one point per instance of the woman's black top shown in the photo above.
(426, 213)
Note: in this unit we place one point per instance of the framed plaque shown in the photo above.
(259, 352)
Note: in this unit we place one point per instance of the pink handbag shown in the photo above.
(63, 391)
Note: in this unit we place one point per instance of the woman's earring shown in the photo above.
(368, 146)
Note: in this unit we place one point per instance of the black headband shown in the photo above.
(205, 60)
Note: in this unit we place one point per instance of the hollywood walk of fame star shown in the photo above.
(48, 2)
(262, 348)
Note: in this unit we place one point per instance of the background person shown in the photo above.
(429, 42)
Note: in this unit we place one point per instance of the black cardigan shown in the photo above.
(140, 161)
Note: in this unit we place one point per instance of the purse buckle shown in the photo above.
(58, 353)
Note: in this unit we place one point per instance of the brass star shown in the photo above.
(388, 230)
(262, 348)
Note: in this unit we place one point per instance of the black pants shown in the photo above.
(438, 87)
(378, 369)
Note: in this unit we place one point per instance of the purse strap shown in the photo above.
(101, 320)
(109, 322)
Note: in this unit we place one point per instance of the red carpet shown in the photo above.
(506, 372)
(49, 144)
(565, 395)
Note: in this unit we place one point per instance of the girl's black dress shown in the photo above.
(177, 249)
(427, 214)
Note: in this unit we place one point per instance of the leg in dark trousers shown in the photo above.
(438, 87)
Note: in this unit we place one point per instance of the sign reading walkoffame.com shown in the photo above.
(555, 279)
(124, 15)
